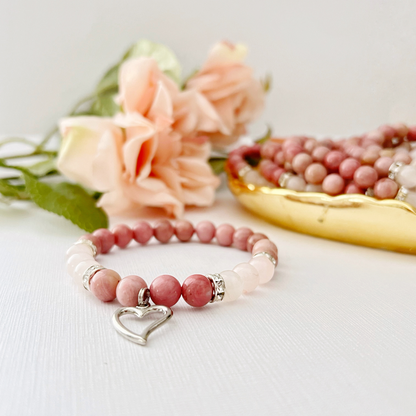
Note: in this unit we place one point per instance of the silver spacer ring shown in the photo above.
(284, 177)
(143, 297)
(89, 273)
(369, 192)
(402, 194)
(218, 286)
(394, 170)
(268, 255)
(90, 244)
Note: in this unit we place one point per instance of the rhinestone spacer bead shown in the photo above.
(394, 170)
(284, 177)
(90, 244)
(402, 194)
(218, 285)
(89, 273)
(269, 256)
(369, 192)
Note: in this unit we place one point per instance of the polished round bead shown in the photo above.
(205, 230)
(402, 156)
(249, 275)
(296, 183)
(356, 152)
(276, 175)
(401, 130)
(369, 157)
(123, 235)
(315, 173)
(224, 235)
(266, 246)
(264, 267)
(165, 290)
(253, 240)
(291, 151)
(82, 267)
(107, 239)
(184, 230)
(79, 249)
(301, 161)
(352, 188)
(375, 136)
(318, 154)
(197, 290)
(365, 176)
(385, 189)
(142, 232)
(333, 159)
(407, 176)
(266, 168)
(254, 177)
(163, 230)
(333, 184)
(128, 290)
(279, 158)
(104, 283)
(76, 259)
(241, 236)
(95, 240)
(233, 285)
(348, 167)
(310, 145)
(269, 149)
(382, 166)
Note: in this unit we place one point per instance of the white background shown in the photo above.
(333, 334)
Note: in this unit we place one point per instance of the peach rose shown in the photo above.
(135, 165)
(229, 85)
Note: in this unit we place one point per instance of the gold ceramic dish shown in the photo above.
(357, 219)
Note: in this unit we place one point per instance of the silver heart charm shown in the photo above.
(140, 311)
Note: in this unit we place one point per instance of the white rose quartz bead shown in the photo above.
(407, 176)
(249, 274)
(76, 259)
(79, 249)
(233, 285)
(82, 267)
(264, 267)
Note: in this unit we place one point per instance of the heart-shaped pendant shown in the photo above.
(140, 312)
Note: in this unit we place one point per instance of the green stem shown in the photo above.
(17, 140)
(49, 153)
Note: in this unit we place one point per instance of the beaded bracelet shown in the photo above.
(197, 290)
(381, 163)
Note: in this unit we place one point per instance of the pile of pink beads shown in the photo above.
(197, 290)
(381, 163)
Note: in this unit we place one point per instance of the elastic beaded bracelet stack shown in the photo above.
(197, 290)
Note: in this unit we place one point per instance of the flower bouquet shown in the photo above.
(143, 138)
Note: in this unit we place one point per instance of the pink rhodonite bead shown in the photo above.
(301, 161)
(123, 235)
(333, 184)
(142, 232)
(365, 176)
(348, 167)
(385, 189)
(241, 236)
(352, 188)
(107, 239)
(266, 246)
(184, 230)
(104, 283)
(128, 290)
(197, 290)
(315, 173)
(382, 166)
(165, 290)
(205, 230)
(253, 240)
(224, 235)
(163, 231)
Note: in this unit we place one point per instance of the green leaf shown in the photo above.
(217, 164)
(104, 106)
(166, 59)
(68, 200)
(12, 191)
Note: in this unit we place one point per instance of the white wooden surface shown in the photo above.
(333, 334)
